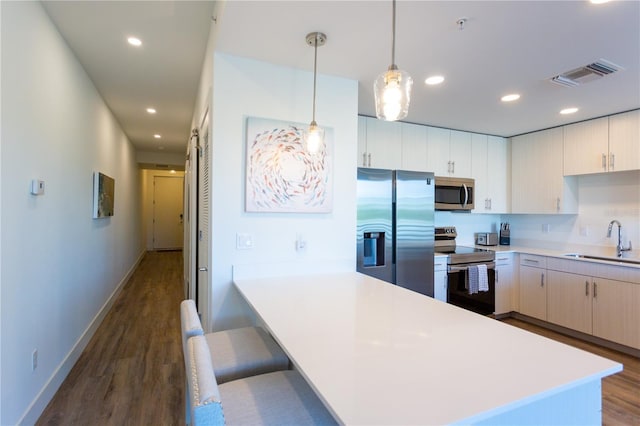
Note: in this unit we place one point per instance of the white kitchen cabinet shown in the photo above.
(586, 147)
(414, 147)
(606, 144)
(460, 154)
(616, 313)
(533, 289)
(489, 169)
(569, 300)
(505, 285)
(448, 152)
(438, 140)
(379, 145)
(440, 278)
(624, 141)
(537, 182)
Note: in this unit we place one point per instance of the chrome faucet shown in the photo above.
(619, 247)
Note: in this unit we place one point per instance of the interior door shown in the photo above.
(203, 221)
(191, 218)
(167, 213)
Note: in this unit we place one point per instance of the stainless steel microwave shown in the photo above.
(454, 193)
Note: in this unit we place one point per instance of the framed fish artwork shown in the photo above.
(282, 175)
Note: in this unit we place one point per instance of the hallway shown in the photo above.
(132, 372)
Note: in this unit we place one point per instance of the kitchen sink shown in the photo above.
(606, 259)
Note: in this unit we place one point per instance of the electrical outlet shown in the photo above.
(34, 360)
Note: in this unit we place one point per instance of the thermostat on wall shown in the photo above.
(37, 187)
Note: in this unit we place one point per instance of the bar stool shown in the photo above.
(277, 398)
(235, 353)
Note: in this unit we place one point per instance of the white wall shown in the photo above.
(247, 88)
(602, 198)
(59, 266)
(467, 224)
(147, 201)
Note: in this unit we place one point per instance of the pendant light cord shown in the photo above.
(315, 68)
(393, 35)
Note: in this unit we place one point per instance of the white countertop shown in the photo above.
(562, 254)
(379, 354)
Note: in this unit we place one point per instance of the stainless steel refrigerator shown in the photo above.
(395, 227)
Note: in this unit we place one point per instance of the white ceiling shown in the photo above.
(506, 46)
(163, 73)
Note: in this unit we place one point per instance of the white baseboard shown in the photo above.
(37, 406)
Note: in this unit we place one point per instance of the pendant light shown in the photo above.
(392, 89)
(314, 136)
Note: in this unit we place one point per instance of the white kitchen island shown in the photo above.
(376, 353)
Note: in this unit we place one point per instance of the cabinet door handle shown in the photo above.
(604, 162)
(612, 161)
(453, 167)
(369, 159)
(586, 288)
(558, 204)
(489, 203)
(595, 290)
(531, 261)
(496, 271)
(542, 279)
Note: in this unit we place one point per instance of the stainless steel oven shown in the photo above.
(458, 293)
(459, 261)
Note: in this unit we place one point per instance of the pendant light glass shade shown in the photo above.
(314, 135)
(392, 89)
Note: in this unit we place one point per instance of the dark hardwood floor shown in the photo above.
(132, 371)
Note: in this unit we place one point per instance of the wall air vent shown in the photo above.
(585, 74)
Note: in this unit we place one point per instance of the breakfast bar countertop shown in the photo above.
(376, 353)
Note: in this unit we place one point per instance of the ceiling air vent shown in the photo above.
(586, 73)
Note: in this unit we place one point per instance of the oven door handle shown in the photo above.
(456, 268)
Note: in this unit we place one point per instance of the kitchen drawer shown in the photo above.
(533, 260)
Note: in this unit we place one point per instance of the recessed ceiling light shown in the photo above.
(157, 136)
(151, 110)
(433, 80)
(599, 1)
(510, 97)
(569, 110)
(134, 41)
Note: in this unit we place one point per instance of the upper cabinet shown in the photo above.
(414, 147)
(490, 170)
(586, 147)
(449, 152)
(379, 143)
(624, 141)
(605, 144)
(537, 182)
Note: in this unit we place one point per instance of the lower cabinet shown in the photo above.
(602, 307)
(533, 289)
(440, 278)
(616, 311)
(570, 300)
(505, 291)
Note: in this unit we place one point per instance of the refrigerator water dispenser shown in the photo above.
(373, 249)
